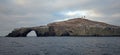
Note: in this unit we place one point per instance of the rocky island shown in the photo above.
(72, 27)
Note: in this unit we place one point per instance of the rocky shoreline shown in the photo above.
(72, 27)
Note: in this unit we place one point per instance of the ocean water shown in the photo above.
(60, 46)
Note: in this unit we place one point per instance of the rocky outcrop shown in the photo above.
(22, 32)
(72, 27)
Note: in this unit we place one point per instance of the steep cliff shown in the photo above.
(72, 27)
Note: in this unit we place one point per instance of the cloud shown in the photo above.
(81, 13)
(21, 13)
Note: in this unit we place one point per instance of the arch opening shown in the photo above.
(32, 33)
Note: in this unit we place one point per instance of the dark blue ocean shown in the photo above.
(60, 46)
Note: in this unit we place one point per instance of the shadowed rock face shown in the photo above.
(72, 27)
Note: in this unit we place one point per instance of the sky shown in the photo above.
(29, 13)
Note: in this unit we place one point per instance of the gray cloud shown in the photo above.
(22, 13)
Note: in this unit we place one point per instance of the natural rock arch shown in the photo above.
(31, 33)
(23, 32)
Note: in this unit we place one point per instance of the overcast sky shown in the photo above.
(28, 13)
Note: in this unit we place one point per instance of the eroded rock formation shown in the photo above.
(22, 32)
(72, 27)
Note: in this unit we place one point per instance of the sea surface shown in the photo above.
(60, 46)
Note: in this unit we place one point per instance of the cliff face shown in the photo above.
(81, 26)
(72, 27)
